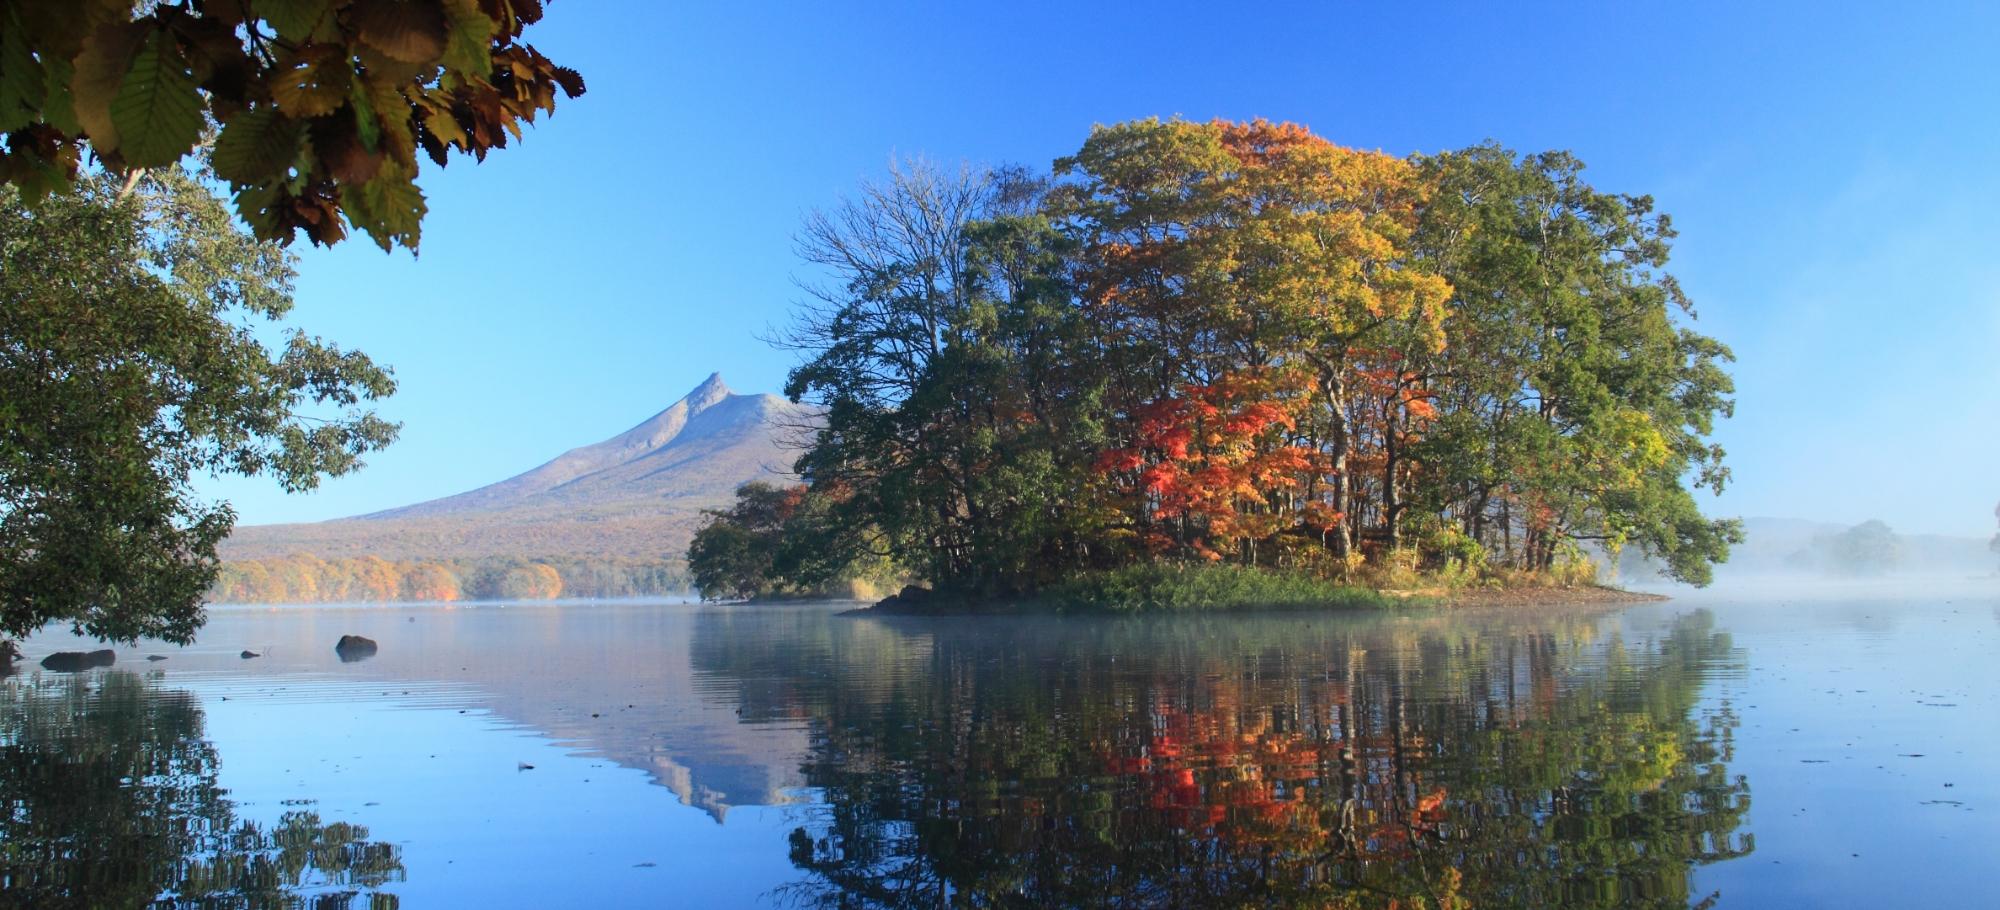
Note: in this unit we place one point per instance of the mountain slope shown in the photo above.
(638, 494)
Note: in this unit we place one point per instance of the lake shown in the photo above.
(1787, 749)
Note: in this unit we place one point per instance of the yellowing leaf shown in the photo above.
(314, 84)
(389, 207)
(100, 68)
(157, 110)
(256, 145)
(403, 30)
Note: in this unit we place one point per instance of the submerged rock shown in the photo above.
(79, 661)
(353, 647)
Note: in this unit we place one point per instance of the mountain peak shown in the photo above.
(661, 456)
(713, 383)
(711, 390)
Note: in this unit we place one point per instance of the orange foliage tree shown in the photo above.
(430, 582)
(1255, 260)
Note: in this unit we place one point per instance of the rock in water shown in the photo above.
(246, 655)
(353, 647)
(79, 661)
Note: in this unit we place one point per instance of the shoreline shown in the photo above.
(1534, 596)
(1431, 599)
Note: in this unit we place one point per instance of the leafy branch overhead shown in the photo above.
(323, 105)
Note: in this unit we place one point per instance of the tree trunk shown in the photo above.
(1392, 502)
(1337, 445)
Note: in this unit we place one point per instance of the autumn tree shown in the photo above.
(129, 361)
(430, 582)
(325, 107)
(1220, 251)
(1240, 342)
(534, 581)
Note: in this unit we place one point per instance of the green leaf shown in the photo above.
(59, 107)
(469, 45)
(366, 125)
(296, 21)
(256, 145)
(394, 113)
(261, 207)
(100, 69)
(158, 110)
(389, 207)
(22, 82)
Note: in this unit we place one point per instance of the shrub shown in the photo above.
(1572, 568)
(1183, 586)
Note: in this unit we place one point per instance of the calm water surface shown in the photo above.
(1714, 751)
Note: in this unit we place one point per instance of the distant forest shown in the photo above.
(303, 578)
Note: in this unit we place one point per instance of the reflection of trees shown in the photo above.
(1268, 761)
(112, 798)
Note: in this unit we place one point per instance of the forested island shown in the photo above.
(1208, 364)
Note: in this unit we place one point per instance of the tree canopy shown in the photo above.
(324, 106)
(130, 360)
(1242, 343)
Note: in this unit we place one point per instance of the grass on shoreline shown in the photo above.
(1182, 587)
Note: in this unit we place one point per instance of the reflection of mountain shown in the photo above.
(550, 669)
(1251, 761)
(637, 494)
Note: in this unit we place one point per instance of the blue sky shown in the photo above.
(1831, 170)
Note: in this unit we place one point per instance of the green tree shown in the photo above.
(1869, 548)
(943, 353)
(129, 361)
(324, 105)
(1574, 403)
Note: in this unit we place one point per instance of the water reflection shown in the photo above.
(1439, 763)
(112, 801)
